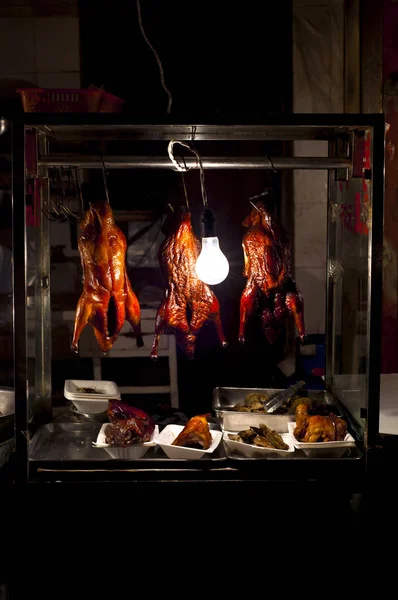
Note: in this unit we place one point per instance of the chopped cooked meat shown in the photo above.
(196, 434)
(129, 425)
(261, 441)
(274, 438)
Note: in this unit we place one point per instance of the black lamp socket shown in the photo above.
(208, 228)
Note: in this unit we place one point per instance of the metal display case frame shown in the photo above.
(341, 131)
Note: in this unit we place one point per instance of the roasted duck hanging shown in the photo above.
(107, 299)
(267, 267)
(188, 303)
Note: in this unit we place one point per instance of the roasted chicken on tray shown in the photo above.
(196, 434)
(107, 299)
(268, 269)
(188, 303)
(317, 428)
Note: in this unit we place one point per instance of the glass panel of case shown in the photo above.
(7, 395)
(348, 271)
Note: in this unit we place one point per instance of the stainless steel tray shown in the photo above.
(73, 441)
(225, 398)
(66, 441)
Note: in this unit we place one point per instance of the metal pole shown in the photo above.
(19, 252)
(163, 162)
(375, 287)
(42, 406)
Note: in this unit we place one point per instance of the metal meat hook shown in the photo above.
(104, 178)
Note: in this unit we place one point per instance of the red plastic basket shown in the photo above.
(55, 100)
(110, 103)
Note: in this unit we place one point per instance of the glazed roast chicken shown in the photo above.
(107, 299)
(268, 269)
(128, 425)
(188, 303)
(196, 434)
(317, 428)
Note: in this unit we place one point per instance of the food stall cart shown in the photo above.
(54, 448)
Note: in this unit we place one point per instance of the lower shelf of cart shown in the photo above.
(74, 442)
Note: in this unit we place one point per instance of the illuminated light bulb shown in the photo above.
(212, 266)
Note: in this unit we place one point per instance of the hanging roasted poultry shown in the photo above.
(267, 267)
(188, 303)
(107, 299)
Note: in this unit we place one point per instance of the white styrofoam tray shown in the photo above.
(133, 451)
(89, 406)
(322, 449)
(251, 451)
(169, 434)
(90, 397)
(106, 389)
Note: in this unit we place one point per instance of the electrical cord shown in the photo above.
(185, 188)
(162, 80)
(183, 169)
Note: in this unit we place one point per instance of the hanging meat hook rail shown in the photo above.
(63, 186)
(163, 162)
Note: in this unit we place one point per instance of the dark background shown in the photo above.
(218, 57)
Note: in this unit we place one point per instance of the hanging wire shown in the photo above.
(185, 189)
(162, 80)
(79, 193)
(183, 183)
(254, 206)
(183, 169)
(271, 163)
(266, 192)
(104, 178)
